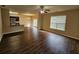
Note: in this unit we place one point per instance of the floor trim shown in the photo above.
(1, 38)
(62, 34)
(13, 32)
(72, 37)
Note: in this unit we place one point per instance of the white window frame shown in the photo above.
(51, 26)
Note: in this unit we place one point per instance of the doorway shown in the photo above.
(34, 22)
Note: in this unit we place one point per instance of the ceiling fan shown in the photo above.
(43, 10)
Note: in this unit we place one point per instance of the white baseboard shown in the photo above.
(65, 35)
(72, 37)
(13, 32)
(1, 38)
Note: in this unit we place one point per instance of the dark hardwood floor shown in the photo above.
(34, 41)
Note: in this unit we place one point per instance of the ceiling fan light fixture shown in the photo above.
(42, 11)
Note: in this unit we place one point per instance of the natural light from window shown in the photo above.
(35, 22)
(58, 22)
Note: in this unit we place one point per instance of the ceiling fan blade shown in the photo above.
(47, 10)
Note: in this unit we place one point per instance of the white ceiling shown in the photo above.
(36, 8)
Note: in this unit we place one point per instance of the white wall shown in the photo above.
(0, 25)
(5, 19)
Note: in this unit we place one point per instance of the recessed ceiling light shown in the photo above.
(28, 14)
(11, 12)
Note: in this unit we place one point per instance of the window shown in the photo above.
(58, 22)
